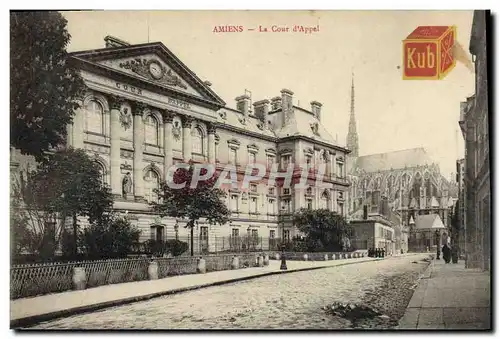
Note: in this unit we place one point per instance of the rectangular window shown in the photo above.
(285, 205)
(270, 206)
(270, 161)
(286, 191)
(308, 161)
(272, 234)
(255, 233)
(285, 161)
(271, 190)
(253, 205)
(204, 233)
(309, 204)
(235, 232)
(341, 208)
(234, 202)
(233, 156)
(252, 158)
(253, 188)
(286, 235)
(340, 169)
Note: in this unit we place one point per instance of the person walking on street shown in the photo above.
(446, 253)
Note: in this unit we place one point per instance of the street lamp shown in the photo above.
(176, 228)
(438, 251)
(283, 260)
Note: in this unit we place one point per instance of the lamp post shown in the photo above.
(176, 228)
(438, 251)
(283, 260)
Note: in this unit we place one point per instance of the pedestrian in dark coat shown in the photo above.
(446, 253)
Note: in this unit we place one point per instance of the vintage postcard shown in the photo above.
(250, 170)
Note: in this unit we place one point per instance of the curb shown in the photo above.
(17, 324)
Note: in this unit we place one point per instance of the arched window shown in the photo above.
(102, 172)
(325, 199)
(197, 141)
(151, 182)
(95, 117)
(152, 131)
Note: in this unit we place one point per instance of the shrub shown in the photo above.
(176, 247)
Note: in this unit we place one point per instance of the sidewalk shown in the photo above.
(451, 297)
(27, 311)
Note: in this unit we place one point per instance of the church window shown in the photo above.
(95, 117)
(152, 131)
(151, 183)
(197, 141)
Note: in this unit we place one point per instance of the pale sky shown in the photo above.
(391, 113)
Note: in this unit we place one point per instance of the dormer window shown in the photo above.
(314, 128)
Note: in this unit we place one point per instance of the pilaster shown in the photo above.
(167, 161)
(187, 123)
(211, 143)
(115, 105)
(138, 111)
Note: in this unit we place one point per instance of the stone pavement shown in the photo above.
(27, 311)
(451, 297)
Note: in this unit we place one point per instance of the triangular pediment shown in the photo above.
(154, 65)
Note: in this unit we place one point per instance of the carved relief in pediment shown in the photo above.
(152, 69)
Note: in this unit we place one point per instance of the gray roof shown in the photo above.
(301, 123)
(394, 160)
(428, 221)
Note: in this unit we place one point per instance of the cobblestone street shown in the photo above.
(284, 301)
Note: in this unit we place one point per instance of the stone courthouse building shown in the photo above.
(145, 110)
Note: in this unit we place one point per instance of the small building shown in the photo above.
(374, 232)
(426, 232)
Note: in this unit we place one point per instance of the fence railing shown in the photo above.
(39, 279)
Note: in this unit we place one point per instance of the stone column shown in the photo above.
(138, 150)
(187, 122)
(115, 105)
(211, 144)
(167, 144)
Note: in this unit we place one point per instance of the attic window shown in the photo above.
(314, 128)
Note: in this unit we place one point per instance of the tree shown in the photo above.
(66, 184)
(323, 229)
(43, 83)
(204, 201)
(109, 237)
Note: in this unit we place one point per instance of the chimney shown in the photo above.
(261, 108)
(243, 104)
(275, 103)
(316, 109)
(286, 106)
(111, 41)
(365, 212)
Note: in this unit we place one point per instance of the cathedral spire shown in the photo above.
(352, 135)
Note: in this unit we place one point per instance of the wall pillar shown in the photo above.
(167, 145)
(187, 122)
(211, 144)
(77, 127)
(138, 150)
(115, 105)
